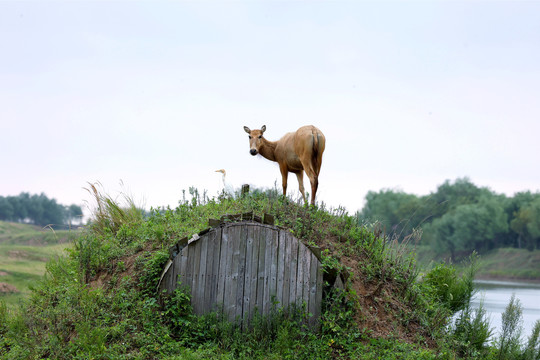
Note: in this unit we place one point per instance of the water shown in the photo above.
(497, 294)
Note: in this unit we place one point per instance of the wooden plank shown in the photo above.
(210, 246)
(282, 241)
(227, 232)
(262, 274)
(223, 267)
(165, 281)
(299, 299)
(189, 267)
(293, 269)
(250, 286)
(268, 263)
(306, 268)
(216, 256)
(242, 247)
(183, 259)
(272, 265)
(254, 271)
(232, 273)
(201, 286)
(195, 289)
(313, 289)
(318, 296)
(286, 270)
(175, 272)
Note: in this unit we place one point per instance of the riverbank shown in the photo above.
(505, 264)
(510, 264)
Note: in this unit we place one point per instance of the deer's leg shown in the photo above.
(314, 180)
(300, 177)
(284, 176)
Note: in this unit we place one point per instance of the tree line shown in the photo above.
(38, 210)
(458, 217)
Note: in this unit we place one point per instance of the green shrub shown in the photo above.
(452, 290)
(509, 342)
(472, 331)
(532, 351)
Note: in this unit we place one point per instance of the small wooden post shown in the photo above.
(245, 189)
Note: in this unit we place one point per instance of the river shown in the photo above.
(497, 294)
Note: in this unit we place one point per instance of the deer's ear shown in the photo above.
(246, 129)
(263, 129)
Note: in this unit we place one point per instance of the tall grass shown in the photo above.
(108, 214)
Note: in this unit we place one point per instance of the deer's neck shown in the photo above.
(268, 149)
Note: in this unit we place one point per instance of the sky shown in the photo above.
(154, 95)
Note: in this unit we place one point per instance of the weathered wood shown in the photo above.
(270, 272)
(243, 267)
(318, 296)
(229, 299)
(216, 256)
(286, 271)
(313, 290)
(183, 266)
(195, 288)
(300, 274)
(280, 266)
(175, 271)
(207, 293)
(224, 266)
(294, 269)
(189, 268)
(250, 279)
(165, 278)
(262, 274)
(306, 268)
(242, 244)
(273, 243)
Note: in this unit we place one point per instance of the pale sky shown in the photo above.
(156, 94)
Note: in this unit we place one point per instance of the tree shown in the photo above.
(73, 213)
(450, 195)
(469, 227)
(19, 207)
(6, 209)
(397, 211)
(526, 223)
(37, 209)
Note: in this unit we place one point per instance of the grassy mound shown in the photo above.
(100, 300)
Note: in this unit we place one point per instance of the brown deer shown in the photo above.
(295, 152)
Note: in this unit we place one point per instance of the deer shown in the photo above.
(295, 152)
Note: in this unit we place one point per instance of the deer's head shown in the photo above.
(255, 139)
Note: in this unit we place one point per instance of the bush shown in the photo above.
(509, 342)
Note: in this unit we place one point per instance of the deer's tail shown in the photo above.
(318, 147)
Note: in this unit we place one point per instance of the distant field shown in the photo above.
(24, 251)
(24, 234)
